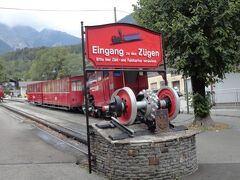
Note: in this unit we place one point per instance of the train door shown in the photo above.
(97, 90)
(103, 87)
(106, 86)
(137, 81)
(100, 89)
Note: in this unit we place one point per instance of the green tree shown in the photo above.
(201, 39)
(42, 63)
(49, 64)
(2, 72)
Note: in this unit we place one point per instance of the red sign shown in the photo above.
(122, 45)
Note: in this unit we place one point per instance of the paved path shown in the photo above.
(25, 156)
(218, 152)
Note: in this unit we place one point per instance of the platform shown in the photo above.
(149, 156)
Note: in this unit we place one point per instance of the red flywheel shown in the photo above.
(130, 105)
(174, 102)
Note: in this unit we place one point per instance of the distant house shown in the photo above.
(23, 87)
(174, 81)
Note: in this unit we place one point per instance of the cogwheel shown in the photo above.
(151, 100)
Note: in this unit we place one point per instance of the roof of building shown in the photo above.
(25, 83)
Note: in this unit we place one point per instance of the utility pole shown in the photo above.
(186, 93)
(115, 14)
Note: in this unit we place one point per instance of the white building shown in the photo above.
(226, 92)
(23, 87)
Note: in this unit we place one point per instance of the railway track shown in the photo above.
(75, 139)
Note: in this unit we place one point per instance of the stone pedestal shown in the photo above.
(147, 156)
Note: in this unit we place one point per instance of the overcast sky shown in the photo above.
(65, 20)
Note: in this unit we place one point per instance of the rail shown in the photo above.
(68, 132)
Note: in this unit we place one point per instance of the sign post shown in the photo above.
(86, 100)
(122, 47)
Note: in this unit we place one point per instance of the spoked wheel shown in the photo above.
(173, 103)
(128, 99)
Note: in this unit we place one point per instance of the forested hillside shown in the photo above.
(41, 63)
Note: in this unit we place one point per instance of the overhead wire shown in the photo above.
(62, 10)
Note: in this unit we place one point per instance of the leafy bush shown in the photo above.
(202, 105)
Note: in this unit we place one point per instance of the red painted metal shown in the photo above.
(121, 45)
(130, 112)
(127, 114)
(173, 108)
(65, 92)
(34, 93)
(1, 92)
(68, 92)
(107, 83)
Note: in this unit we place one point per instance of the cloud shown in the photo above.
(64, 21)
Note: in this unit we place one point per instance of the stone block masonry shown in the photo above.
(153, 156)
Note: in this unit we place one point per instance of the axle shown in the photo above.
(127, 107)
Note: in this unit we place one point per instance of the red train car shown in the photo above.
(61, 93)
(68, 92)
(65, 92)
(34, 93)
(1, 92)
(104, 83)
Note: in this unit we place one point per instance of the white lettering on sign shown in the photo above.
(106, 51)
(147, 53)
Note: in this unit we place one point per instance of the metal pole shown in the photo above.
(115, 14)
(165, 74)
(86, 100)
(186, 91)
(164, 64)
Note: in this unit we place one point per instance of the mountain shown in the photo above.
(128, 19)
(20, 37)
(52, 38)
(4, 47)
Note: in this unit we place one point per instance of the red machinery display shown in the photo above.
(126, 46)
(102, 85)
(128, 107)
(113, 93)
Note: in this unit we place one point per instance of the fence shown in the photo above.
(227, 97)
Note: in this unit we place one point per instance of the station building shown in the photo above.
(226, 92)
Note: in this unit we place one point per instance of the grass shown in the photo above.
(217, 127)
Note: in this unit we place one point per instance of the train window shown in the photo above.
(117, 73)
(79, 86)
(51, 86)
(76, 86)
(99, 76)
(131, 77)
(65, 85)
(48, 87)
(105, 74)
(61, 86)
(91, 76)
